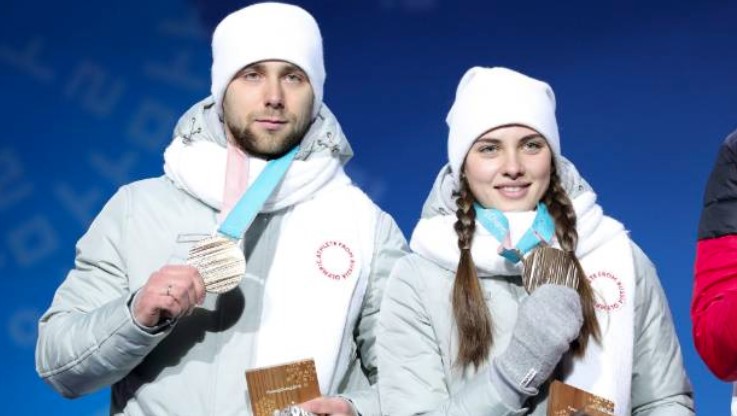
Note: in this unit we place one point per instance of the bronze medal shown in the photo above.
(547, 264)
(220, 261)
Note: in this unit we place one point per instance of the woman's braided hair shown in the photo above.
(471, 314)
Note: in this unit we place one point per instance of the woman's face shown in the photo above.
(508, 168)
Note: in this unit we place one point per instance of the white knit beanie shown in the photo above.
(487, 98)
(267, 31)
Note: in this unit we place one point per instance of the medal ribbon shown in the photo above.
(236, 179)
(246, 209)
(541, 231)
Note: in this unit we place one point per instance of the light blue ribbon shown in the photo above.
(246, 209)
(542, 230)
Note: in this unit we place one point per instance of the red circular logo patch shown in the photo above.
(335, 260)
(609, 291)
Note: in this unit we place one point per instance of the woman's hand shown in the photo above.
(548, 321)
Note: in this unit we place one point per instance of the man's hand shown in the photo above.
(169, 293)
(333, 406)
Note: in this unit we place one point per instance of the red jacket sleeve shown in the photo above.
(714, 307)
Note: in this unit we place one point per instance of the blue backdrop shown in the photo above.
(91, 91)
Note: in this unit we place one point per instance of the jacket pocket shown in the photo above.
(183, 244)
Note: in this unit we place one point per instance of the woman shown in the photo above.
(459, 335)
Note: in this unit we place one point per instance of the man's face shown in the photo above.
(267, 108)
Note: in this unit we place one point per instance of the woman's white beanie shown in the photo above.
(267, 31)
(487, 98)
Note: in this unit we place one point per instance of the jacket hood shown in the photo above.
(197, 160)
(325, 136)
(434, 236)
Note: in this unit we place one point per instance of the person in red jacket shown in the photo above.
(714, 306)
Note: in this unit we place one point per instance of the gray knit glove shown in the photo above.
(547, 322)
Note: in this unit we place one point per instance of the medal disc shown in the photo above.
(547, 264)
(220, 261)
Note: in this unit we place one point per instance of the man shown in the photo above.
(131, 314)
(714, 306)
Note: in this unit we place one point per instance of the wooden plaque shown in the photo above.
(274, 388)
(566, 400)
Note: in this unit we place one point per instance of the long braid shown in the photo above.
(561, 209)
(471, 314)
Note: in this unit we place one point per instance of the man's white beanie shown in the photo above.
(267, 31)
(487, 98)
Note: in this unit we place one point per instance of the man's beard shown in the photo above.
(253, 143)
